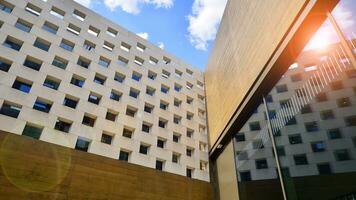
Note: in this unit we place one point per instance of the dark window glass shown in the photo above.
(327, 114)
(62, 126)
(88, 121)
(60, 63)
(281, 88)
(127, 133)
(164, 89)
(99, 80)
(292, 121)
(42, 45)
(124, 156)
(162, 123)
(189, 152)
(240, 137)
(150, 91)
(160, 143)
(115, 96)
(146, 128)
(4, 66)
(24, 87)
(11, 43)
(130, 112)
(318, 146)
(306, 109)
(143, 149)
(190, 133)
(6, 8)
(105, 138)
(295, 139)
(269, 99)
(10, 110)
(24, 26)
(148, 108)
(324, 168)
(245, 176)
(51, 84)
(350, 121)
(159, 165)
(281, 151)
(175, 158)
(42, 106)
(70, 102)
(32, 131)
(82, 145)
(261, 164)
(254, 126)
(119, 77)
(32, 64)
(189, 173)
(311, 126)
(134, 93)
(344, 102)
(94, 99)
(111, 116)
(334, 133)
(76, 81)
(83, 63)
(176, 138)
(300, 159)
(342, 155)
(50, 27)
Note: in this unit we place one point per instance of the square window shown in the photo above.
(77, 80)
(23, 25)
(124, 156)
(311, 126)
(151, 75)
(334, 134)
(119, 77)
(148, 108)
(343, 102)
(163, 105)
(203, 146)
(189, 86)
(144, 148)
(159, 165)
(177, 87)
(295, 139)
(108, 46)
(67, 45)
(49, 27)
(88, 120)
(42, 44)
(281, 88)
(78, 15)
(112, 32)
(245, 176)
(162, 123)
(189, 151)
(104, 62)
(176, 137)
(134, 93)
(89, 46)
(70, 102)
(57, 12)
(122, 61)
(318, 146)
(93, 31)
(240, 137)
(6, 7)
(22, 85)
(321, 97)
(106, 138)
(166, 60)
(153, 61)
(306, 109)
(350, 121)
(342, 155)
(51, 82)
(60, 62)
(261, 164)
(13, 43)
(32, 131)
(150, 91)
(111, 115)
(136, 76)
(146, 127)
(82, 144)
(190, 116)
(32, 63)
(10, 109)
(99, 79)
(203, 165)
(126, 47)
(175, 157)
(130, 111)
(177, 102)
(177, 119)
(83, 62)
(160, 143)
(258, 144)
(178, 73)
(115, 95)
(327, 114)
(140, 47)
(165, 74)
(189, 100)
(336, 85)
(94, 98)
(300, 159)
(324, 168)
(42, 105)
(164, 89)
(190, 133)
(189, 172)
(63, 125)
(254, 126)
(291, 121)
(33, 9)
(5, 64)
(127, 132)
(281, 151)
(138, 61)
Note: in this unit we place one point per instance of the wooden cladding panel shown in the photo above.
(250, 32)
(32, 169)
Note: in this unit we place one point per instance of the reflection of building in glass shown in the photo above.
(321, 137)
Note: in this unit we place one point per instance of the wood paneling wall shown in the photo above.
(35, 170)
(250, 32)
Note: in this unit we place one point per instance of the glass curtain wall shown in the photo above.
(305, 128)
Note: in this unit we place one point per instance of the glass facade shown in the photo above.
(303, 148)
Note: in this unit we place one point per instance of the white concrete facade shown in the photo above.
(118, 43)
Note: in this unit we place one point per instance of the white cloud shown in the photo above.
(133, 6)
(204, 21)
(143, 35)
(85, 3)
(161, 45)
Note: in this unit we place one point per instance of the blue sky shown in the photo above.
(186, 28)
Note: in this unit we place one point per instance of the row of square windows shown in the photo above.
(13, 110)
(83, 144)
(323, 168)
(71, 101)
(36, 64)
(50, 27)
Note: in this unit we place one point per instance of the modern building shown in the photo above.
(73, 78)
